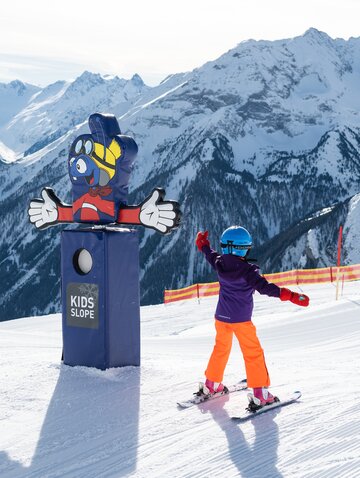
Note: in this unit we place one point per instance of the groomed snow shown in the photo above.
(59, 421)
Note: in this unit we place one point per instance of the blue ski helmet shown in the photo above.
(236, 240)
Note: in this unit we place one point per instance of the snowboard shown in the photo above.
(199, 397)
(266, 408)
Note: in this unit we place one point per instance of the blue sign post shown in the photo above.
(100, 298)
(100, 264)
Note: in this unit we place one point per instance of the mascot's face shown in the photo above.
(93, 163)
(82, 165)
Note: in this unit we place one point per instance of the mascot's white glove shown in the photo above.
(44, 212)
(159, 214)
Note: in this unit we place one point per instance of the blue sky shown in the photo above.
(43, 41)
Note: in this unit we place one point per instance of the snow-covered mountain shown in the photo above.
(49, 113)
(267, 136)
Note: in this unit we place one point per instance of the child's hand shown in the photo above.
(202, 240)
(298, 299)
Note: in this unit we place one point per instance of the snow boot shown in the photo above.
(209, 387)
(263, 397)
(260, 398)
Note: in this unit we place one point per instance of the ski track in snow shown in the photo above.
(60, 421)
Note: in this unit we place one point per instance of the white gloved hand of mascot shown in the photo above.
(43, 212)
(158, 214)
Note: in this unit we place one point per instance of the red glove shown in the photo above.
(202, 240)
(294, 297)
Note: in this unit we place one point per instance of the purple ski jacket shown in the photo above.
(238, 280)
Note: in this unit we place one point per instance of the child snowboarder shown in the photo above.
(238, 281)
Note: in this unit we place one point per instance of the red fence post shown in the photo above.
(338, 262)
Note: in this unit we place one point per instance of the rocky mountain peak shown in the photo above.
(137, 80)
(316, 34)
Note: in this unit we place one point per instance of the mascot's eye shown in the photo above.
(71, 161)
(81, 166)
(88, 147)
(78, 146)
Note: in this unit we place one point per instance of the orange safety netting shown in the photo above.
(301, 276)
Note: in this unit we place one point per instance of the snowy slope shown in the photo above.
(14, 97)
(58, 421)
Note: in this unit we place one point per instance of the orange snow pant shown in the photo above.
(256, 371)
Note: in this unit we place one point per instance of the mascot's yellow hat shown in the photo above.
(105, 158)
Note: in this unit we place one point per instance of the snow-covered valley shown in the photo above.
(59, 421)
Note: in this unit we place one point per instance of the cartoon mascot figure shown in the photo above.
(100, 164)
